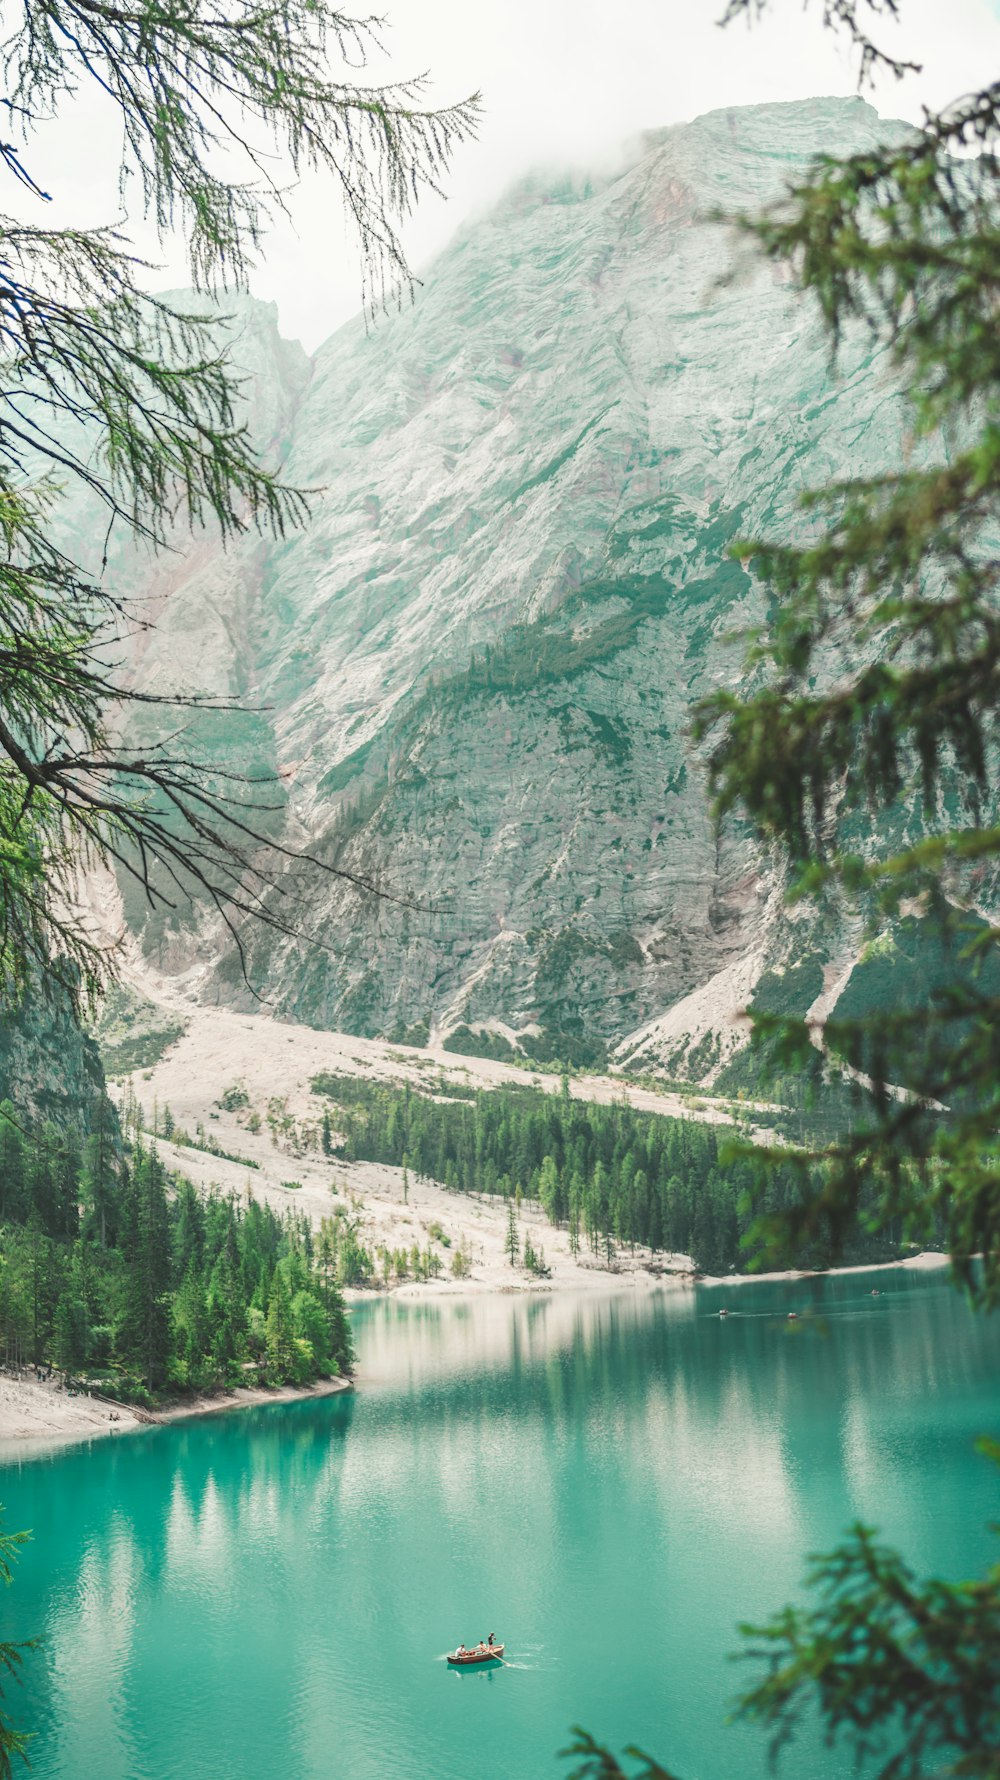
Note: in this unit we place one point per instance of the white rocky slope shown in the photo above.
(475, 667)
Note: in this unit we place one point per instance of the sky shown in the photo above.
(564, 82)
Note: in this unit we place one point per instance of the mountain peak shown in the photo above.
(475, 667)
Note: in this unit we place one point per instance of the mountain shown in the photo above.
(474, 668)
(49, 1068)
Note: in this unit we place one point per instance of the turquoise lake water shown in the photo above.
(609, 1484)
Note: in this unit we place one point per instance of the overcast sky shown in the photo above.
(563, 81)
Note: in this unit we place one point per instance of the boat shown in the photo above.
(483, 1653)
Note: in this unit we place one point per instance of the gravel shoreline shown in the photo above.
(34, 1415)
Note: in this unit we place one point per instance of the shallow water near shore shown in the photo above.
(609, 1484)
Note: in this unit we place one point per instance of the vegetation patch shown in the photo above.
(417, 1035)
(466, 1043)
(142, 1051)
(610, 1174)
(235, 1098)
(341, 775)
(129, 1278)
(132, 1033)
(907, 971)
(791, 991)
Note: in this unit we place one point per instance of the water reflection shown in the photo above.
(610, 1483)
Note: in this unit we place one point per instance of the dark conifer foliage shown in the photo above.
(12, 1742)
(863, 744)
(863, 740)
(147, 1287)
(617, 1176)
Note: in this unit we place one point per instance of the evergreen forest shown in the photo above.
(128, 1280)
(611, 1174)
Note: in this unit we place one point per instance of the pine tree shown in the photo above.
(69, 1334)
(13, 1180)
(863, 746)
(310, 1324)
(281, 1355)
(100, 1184)
(512, 1244)
(135, 400)
(144, 1333)
(549, 1190)
(11, 1655)
(43, 1179)
(43, 1284)
(226, 1308)
(191, 1323)
(340, 1340)
(188, 1234)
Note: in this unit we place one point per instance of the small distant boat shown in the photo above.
(483, 1653)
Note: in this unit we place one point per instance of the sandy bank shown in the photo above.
(928, 1261)
(32, 1411)
(422, 1214)
(272, 1123)
(628, 1275)
(279, 1058)
(252, 1397)
(33, 1414)
(631, 1274)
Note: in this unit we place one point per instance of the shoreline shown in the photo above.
(35, 1416)
(632, 1276)
(929, 1260)
(248, 1397)
(630, 1280)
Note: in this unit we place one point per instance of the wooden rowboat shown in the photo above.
(464, 1659)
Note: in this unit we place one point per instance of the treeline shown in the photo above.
(611, 1174)
(113, 1271)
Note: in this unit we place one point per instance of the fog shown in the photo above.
(563, 81)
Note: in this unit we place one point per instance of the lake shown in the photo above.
(608, 1483)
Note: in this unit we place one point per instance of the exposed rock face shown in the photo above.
(476, 665)
(49, 1068)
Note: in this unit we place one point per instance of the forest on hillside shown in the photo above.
(115, 1272)
(612, 1175)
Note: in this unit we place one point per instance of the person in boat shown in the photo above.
(489, 1640)
(461, 1651)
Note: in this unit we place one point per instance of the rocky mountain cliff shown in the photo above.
(474, 669)
(49, 1069)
